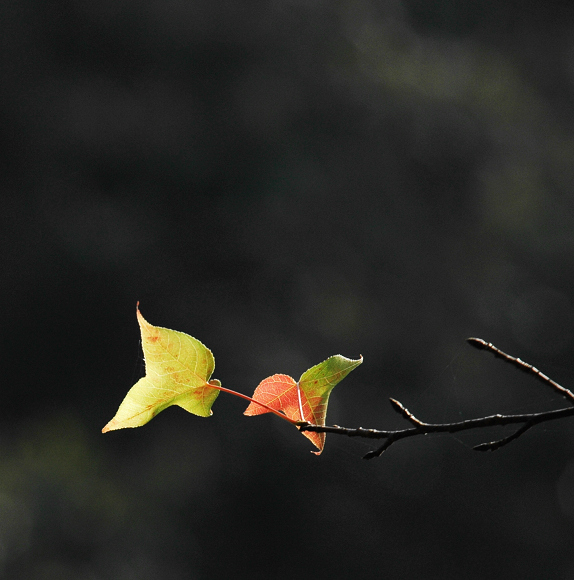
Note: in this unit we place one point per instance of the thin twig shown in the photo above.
(523, 366)
(494, 445)
(402, 410)
(527, 420)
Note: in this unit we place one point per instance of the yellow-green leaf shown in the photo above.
(178, 371)
(318, 382)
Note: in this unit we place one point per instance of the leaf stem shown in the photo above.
(231, 392)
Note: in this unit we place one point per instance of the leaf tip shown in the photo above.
(143, 323)
(108, 427)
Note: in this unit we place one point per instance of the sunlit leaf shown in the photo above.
(178, 369)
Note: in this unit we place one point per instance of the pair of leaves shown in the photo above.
(178, 371)
(305, 400)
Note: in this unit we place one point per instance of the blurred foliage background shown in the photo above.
(285, 180)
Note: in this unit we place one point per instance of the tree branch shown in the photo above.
(421, 428)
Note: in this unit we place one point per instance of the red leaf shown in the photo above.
(280, 392)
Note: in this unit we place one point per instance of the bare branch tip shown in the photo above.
(370, 455)
(477, 342)
(483, 447)
(397, 406)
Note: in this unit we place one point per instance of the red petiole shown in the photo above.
(278, 413)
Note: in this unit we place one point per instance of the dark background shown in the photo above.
(285, 180)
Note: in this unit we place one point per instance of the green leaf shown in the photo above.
(178, 369)
(307, 399)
